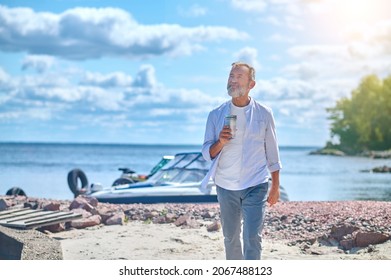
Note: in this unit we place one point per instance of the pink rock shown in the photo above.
(52, 206)
(136, 217)
(91, 200)
(152, 214)
(116, 219)
(86, 222)
(347, 244)
(84, 213)
(208, 214)
(339, 232)
(191, 222)
(105, 213)
(363, 239)
(54, 228)
(215, 226)
(170, 217)
(181, 220)
(78, 202)
(82, 202)
(20, 199)
(159, 220)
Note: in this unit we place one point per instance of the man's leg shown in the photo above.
(253, 207)
(231, 222)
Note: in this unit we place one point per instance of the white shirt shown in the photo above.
(228, 168)
(259, 148)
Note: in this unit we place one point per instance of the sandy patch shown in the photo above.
(147, 241)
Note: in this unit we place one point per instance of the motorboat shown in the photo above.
(178, 181)
(129, 176)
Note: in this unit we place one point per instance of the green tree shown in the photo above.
(363, 122)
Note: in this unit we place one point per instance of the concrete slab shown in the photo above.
(16, 244)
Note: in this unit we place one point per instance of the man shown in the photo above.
(241, 165)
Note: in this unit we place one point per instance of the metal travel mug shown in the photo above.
(230, 120)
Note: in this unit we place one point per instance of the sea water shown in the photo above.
(41, 169)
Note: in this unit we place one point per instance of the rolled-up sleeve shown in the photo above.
(209, 137)
(271, 146)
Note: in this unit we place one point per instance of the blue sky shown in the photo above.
(150, 71)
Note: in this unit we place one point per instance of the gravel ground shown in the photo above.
(291, 221)
(306, 220)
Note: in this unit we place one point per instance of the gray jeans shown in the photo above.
(248, 204)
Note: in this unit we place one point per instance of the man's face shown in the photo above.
(238, 81)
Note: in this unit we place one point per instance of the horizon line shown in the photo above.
(136, 144)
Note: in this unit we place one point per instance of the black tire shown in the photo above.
(123, 181)
(15, 191)
(73, 177)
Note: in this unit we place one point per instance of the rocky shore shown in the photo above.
(370, 154)
(345, 225)
(330, 151)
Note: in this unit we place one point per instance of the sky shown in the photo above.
(149, 72)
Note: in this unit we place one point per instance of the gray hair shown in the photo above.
(252, 70)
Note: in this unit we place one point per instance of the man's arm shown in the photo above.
(274, 193)
(273, 160)
(224, 137)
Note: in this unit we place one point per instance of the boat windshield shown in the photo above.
(184, 168)
(160, 164)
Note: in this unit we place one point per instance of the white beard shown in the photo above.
(235, 92)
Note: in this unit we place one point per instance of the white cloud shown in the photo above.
(115, 79)
(55, 92)
(193, 11)
(318, 51)
(101, 99)
(250, 5)
(40, 63)
(351, 61)
(287, 89)
(303, 71)
(306, 79)
(322, 75)
(374, 40)
(145, 77)
(3, 76)
(248, 55)
(275, 57)
(293, 23)
(300, 103)
(281, 38)
(272, 20)
(56, 96)
(86, 33)
(279, 12)
(93, 98)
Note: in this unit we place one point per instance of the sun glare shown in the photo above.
(344, 17)
(353, 12)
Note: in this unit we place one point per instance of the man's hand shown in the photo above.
(274, 195)
(224, 137)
